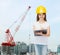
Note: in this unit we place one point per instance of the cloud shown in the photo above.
(4, 3)
(54, 20)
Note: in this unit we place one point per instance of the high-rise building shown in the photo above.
(58, 49)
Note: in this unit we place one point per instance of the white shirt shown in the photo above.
(43, 40)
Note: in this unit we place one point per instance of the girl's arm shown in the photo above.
(48, 32)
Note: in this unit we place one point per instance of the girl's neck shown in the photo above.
(41, 21)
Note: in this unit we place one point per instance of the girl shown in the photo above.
(41, 30)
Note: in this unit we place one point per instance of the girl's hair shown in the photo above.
(44, 18)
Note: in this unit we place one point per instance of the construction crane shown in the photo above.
(10, 39)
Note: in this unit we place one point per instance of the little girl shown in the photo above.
(41, 31)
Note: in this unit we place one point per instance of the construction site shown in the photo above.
(24, 29)
(10, 47)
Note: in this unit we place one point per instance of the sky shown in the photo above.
(11, 10)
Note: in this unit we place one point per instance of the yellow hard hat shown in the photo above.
(40, 9)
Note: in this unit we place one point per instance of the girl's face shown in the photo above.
(41, 16)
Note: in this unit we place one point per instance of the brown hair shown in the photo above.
(44, 18)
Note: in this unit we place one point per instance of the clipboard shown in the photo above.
(38, 31)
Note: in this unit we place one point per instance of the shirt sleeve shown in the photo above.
(33, 26)
(47, 25)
